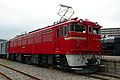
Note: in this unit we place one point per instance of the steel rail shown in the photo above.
(93, 76)
(20, 72)
(5, 76)
(100, 77)
(109, 75)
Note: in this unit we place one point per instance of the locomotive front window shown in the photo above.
(76, 28)
(61, 31)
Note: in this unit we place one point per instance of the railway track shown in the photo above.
(98, 76)
(29, 77)
(102, 76)
(94, 76)
(6, 77)
(110, 75)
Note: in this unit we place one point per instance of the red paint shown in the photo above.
(45, 41)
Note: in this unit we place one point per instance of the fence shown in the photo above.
(112, 66)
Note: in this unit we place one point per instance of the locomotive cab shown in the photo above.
(82, 46)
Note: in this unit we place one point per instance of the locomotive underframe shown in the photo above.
(67, 62)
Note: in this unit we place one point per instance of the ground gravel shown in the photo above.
(44, 73)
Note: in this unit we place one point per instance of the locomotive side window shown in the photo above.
(72, 28)
(15, 43)
(19, 42)
(47, 35)
(47, 31)
(61, 31)
(65, 30)
(30, 39)
(95, 31)
(90, 29)
(57, 34)
(37, 38)
(11, 43)
(23, 41)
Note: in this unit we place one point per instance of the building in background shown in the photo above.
(111, 41)
(111, 32)
(2, 40)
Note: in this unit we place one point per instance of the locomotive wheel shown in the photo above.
(28, 59)
(61, 62)
(12, 57)
(43, 61)
(19, 58)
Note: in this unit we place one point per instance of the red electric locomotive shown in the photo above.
(73, 44)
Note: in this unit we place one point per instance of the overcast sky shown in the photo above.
(19, 16)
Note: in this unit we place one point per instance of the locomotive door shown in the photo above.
(89, 40)
(57, 41)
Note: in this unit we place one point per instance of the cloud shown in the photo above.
(18, 16)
